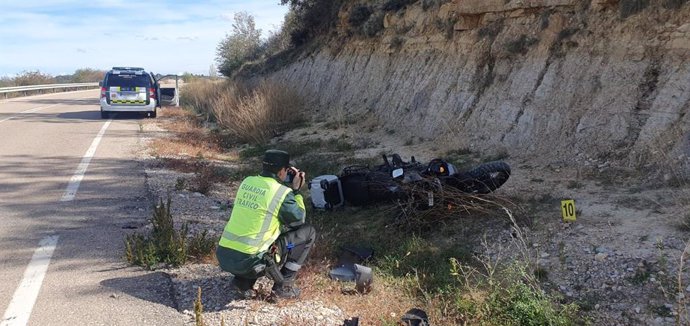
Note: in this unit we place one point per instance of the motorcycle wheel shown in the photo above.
(488, 177)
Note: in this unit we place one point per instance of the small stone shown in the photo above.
(601, 250)
(687, 289)
(597, 306)
(637, 310)
(198, 194)
(215, 207)
(114, 296)
(600, 257)
(535, 245)
(545, 255)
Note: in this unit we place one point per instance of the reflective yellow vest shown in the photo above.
(254, 224)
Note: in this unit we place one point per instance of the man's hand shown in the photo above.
(298, 181)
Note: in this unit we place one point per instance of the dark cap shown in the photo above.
(276, 158)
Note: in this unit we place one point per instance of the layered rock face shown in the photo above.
(557, 80)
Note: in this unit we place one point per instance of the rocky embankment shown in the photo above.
(559, 80)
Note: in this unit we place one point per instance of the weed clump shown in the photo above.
(165, 244)
(201, 246)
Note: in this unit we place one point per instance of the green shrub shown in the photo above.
(510, 296)
(521, 45)
(373, 25)
(395, 5)
(674, 4)
(201, 246)
(164, 244)
(632, 7)
(491, 31)
(428, 4)
(567, 33)
(312, 18)
(359, 15)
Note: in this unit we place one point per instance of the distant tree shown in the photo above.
(6, 81)
(189, 77)
(242, 45)
(27, 78)
(86, 75)
(212, 71)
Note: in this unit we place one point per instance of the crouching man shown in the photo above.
(266, 234)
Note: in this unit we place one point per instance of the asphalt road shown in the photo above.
(43, 142)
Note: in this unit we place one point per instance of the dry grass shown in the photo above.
(247, 115)
(188, 137)
(266, 112)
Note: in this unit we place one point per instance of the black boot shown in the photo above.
(287, 290)
(245, 287)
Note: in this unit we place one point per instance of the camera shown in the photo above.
(291, 173)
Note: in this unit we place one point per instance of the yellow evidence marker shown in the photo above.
(568, 209)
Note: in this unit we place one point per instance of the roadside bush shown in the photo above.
(507, 299)
(201, 246)
(85, 75)
(198, 95)
(265, 112)
(164, 244)
(632, 7)
(27, 78)
(204, 175)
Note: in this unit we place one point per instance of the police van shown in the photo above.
(129, 89)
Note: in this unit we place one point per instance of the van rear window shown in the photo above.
(129, 81)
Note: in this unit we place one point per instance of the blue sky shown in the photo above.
(60, 36)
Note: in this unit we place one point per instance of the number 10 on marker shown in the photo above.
(568, 209)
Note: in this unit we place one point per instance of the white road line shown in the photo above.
(19, 310)
(30, 111)
(74, 182)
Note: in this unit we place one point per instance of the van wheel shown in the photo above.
(153, 114)
(105, 115)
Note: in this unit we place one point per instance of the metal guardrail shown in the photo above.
(5, 90)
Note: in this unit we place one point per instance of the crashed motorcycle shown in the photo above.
(397, 180)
